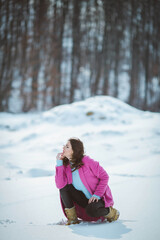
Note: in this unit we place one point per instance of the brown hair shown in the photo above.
(78, 154)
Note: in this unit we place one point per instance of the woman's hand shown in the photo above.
(60, 156)
(92, 199)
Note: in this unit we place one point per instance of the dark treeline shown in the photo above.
(55, 52)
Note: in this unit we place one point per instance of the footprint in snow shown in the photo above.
(6, 222)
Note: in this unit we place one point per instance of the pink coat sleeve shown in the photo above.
(102, 176)
(60, 177)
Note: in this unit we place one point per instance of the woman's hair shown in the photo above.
(78, 154)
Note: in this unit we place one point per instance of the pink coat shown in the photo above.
(94, 178)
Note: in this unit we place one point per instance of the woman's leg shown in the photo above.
(97, 209)
(66, 197)
(69, 195)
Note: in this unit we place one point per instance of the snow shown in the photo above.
(125, 141)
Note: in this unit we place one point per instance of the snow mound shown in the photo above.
(92, 110)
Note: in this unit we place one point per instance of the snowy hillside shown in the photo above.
(125, 141)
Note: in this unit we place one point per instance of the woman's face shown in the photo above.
(67, 150)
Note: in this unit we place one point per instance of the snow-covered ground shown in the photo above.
(125, 141)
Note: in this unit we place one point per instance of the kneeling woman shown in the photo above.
(83, 185)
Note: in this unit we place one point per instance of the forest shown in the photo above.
(54, 52)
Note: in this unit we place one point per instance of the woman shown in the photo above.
(83, 185)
